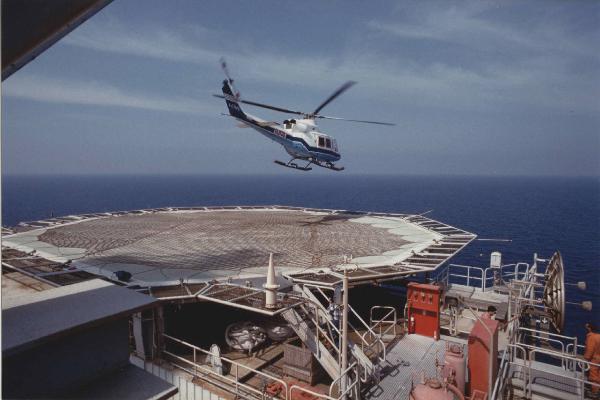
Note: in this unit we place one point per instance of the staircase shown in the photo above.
(306, 333)
(323, 347)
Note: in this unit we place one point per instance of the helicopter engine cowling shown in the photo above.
(301, 127)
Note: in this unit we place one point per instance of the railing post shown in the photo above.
(237, 379)
(195, 362)
(344, 348)
(468, 276)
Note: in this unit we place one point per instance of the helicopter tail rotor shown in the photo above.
(234, 91)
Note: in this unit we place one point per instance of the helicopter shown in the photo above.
(300, 137)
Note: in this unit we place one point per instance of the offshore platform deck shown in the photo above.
(297, 303)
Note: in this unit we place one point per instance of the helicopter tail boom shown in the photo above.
(232, 104)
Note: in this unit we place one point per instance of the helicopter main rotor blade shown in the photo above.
(355, 120)
(253, 103)
(335, 94)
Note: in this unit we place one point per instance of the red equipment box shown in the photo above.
(423, 309)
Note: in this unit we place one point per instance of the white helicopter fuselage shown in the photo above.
(300, 138)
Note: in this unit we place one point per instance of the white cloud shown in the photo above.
(49, 90)
(405, 78)
(162, 44)
(534, 60)
(479, 25)
(159, 44)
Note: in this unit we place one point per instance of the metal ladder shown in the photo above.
(366, 366)
(312, 337)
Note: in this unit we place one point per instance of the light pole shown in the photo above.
(344, 346)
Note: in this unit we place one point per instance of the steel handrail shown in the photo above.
(318, 395)
(574, 338)
(383, 320)
(562, 345)
(318, 330)
(533, 347)
(575, 347)
(583, 382)
(500, 380)
(380, 322)
(565, 356)
(536, 335)
(468, 276)
(220, 384)
(483, 277)
(518, 269)
(363, 339)
(377, 339)
(325, 316)
(499, 384)
(232, 362)
(235, 381)
(575, 351)
(369, 346)
(342, 374)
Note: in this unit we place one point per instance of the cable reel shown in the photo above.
(554, 292)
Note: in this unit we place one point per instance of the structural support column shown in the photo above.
(138, 335)
(344, 346)
(148, 327)
(159, 324)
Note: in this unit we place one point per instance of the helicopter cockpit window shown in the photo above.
(321, 141)
(328, 143)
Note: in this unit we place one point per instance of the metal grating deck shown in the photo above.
(201, 244)
(405, 362)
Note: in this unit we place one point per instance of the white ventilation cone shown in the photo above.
(271, 286)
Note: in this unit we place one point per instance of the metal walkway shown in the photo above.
(547, 381)
(411, 355)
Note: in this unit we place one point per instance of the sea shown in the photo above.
(529, 214)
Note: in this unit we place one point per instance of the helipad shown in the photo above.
(159, 246)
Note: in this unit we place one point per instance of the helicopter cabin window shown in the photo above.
(324, 142)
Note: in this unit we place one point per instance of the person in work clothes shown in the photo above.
(592, 354)
(334, 311)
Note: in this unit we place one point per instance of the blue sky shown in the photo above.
(493, 88)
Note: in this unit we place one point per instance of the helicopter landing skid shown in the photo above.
(293, 165)
(328, 165)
